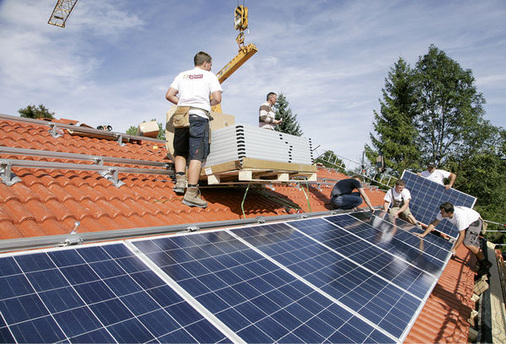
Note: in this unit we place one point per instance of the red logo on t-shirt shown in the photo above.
(196, 76)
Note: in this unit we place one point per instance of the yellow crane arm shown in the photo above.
(242, 56)
(61, 12)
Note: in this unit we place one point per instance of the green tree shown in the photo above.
(451, 108)
(289, 125)
(394, 125)
(31, 111)
(483, 175)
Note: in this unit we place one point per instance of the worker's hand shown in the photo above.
(371, 209)
(454, 253)
(448, 187)
(419, 174)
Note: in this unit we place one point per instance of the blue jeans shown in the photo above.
(348, 201)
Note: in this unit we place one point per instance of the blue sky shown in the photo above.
(115, 59)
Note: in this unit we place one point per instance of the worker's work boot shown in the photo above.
(180, 184)
(192, 198)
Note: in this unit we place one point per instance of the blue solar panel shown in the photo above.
(95, 295)
(342, 278)
(427, 196)
(254, 297)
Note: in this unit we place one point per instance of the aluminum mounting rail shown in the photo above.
(73, 156)
(7, 245)
(120, 137)
(108, 172)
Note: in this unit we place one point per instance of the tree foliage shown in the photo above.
(429, 113)
(434, 112)
(395, 124)
(289, 125)
(451, 111)
(32, 111)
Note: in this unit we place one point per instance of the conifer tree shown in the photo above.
(289, 125)
(396, 135)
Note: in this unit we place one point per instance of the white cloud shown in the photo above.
(115, 59)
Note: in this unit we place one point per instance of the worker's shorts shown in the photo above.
(473, 233)
(404, 215)
(193, 142)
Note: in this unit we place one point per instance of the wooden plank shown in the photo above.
(250, 163)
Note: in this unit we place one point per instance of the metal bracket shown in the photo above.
(98, 161)
(74, 238)
(260, 219)
(120, 140)
(6, 175)
(192, 228)
(55, 132)
(112, 175)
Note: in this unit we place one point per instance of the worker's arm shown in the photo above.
(460, 239)
(452, 178)
(366, 199)
(215, 98)
(171, 95)
(386, 204)
(404, 207)
(431, 227)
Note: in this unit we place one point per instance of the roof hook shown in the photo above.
(74, 238)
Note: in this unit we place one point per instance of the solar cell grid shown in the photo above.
(257, 299)
(427, 196)
(61, 296)
(334, 279)
(346, 281)
(436, 248)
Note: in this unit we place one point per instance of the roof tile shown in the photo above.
(49, 202)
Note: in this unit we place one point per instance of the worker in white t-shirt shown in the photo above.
(469, 223)
(198, 89)
(397, 199)
(438, 176)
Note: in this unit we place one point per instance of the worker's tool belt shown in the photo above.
(181, 118)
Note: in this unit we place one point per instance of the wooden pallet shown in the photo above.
(256, 170)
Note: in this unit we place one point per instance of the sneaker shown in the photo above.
(180, 184)
(192, 198)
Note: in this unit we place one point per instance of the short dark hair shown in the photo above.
(447, 207)
(269, 95)
(201, 57)
(400, 182)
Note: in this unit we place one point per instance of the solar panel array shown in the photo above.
(427, 196)
(340, 278)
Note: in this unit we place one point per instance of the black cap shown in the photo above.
(431, 164)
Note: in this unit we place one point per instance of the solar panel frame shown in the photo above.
(269, 295)
(427, 196)
(333, 278)
(56, 295)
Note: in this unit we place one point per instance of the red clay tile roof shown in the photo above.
(50, 201)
